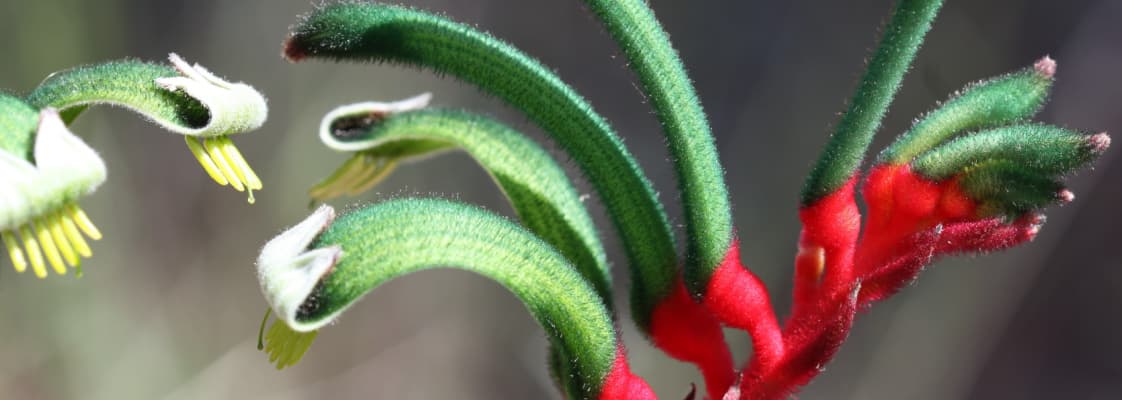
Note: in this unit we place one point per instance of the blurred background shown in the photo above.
(169, 306)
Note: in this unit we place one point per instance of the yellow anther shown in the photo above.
(285, 346)
(14, 251)
(54, 223)
(75, 237)
(213, 148)
(49, 248)
(241, 167)
(83, 221)
(380, 174)
(366, 167)
(327, 188)
(204, 159)
(33, 253)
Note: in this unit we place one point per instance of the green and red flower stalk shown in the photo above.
(971, 176)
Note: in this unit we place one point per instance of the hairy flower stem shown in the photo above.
(376, 244)
(537, 187)
(709, 233)
(368, 32)
(182, 98)
(700, 177)
(902, 38)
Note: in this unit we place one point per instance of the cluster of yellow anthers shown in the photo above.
(58, 234)
(365, 169)
(285, 346)
(358, 174)
(38, 201)
(224, 163)
(233, 107)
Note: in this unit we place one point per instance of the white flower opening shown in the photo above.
(38, 200)
(288, 272)
(233, 108)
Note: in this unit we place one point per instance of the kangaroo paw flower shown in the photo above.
(40, 222)
(182, 98)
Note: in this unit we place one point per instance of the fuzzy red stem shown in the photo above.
(621, 384)
(738, 298)
(687, 331)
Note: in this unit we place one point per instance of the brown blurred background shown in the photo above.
(169, 305)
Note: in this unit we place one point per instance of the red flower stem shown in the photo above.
(826, 246)
(622, 384)
(687, 331)
(738, 298)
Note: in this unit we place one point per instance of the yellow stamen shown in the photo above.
(326, 187)
(212, 148)
(14, 251)
(285, 346)
(204, 159)
(32, 247)
(83, 221)
(240, 165)
(72, 233)
(367, 166)
(54, 223)
(49, 248)
(380, 174)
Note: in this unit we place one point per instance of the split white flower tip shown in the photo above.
(234, 107)
(288, 272)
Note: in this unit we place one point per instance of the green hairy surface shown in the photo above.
(366, 32)
(126, 83)
(1039, 149)
(394, 238)
(700, 177)
(902, 38)
(1003, 100)
(1006, 188)
(18, 122)
(537, 187)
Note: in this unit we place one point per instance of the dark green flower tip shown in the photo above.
(1042, 150)
(994, 102)
(1003, 188)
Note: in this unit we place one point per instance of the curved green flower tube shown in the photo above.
(45, 170)
(709, 230)
(371, 32)
(911, 19)
(540, 193)
(182, 98)
(317, 269)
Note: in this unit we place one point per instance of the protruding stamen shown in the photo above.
(14, 251)
(383, 170)
(329, 188)
(213, 148)
(286, 346)
(204, 159)
(54, 224)
(261, 330)
(48, 246)
(75, 237)
(241, 167)
(33, 253)
(83, 221)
